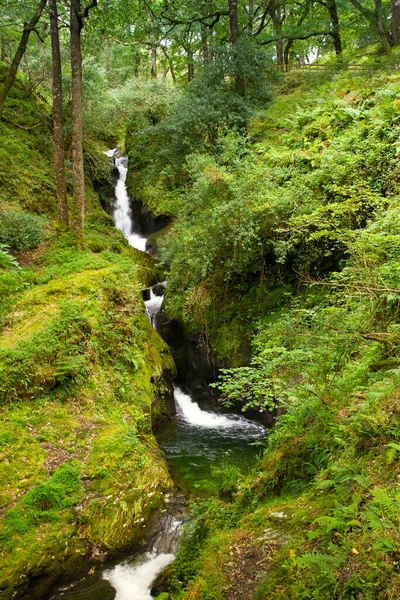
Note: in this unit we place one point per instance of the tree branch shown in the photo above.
(85, 12)
(305, 36)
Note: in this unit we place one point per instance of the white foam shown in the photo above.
(194, 415)
(110, 153)
(134, 581)
(122, 209)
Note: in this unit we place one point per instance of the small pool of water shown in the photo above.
(200, 445)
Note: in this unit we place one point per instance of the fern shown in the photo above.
(325, 484)
(323, 562)
(393, 452)
(388, 506)
(330, 523)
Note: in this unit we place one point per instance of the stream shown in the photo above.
(198, 445)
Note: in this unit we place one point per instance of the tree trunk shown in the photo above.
(279, 44)
(233, 21)
(381, 26)
(3, 49)
(337, 41)
(57, 116)
(153, 61)
(12, 73)
(287, 52)
(250, 7)
(395, 21)
(234, 35)
(190, 65)
(78, 177)
(170, 63)
(377, 18)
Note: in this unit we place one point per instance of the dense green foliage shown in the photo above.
(289, 237)
(282, 253)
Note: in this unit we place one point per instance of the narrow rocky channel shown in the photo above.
(197, 444)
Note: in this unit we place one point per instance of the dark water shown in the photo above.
(205, 449)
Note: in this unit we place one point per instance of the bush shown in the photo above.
(6, 260)
(19, 230)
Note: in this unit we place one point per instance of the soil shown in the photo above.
(249, 562)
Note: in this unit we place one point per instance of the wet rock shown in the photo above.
(146, 294)
(196, 366)
(159, 289)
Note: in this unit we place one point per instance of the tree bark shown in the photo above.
(12, 73)
(78, 177)
(233, 21)
(381, 26)
(277, 19)
(377, 18)
(170, 63)
(153, 61)
(3, 49)
(234, 35)
(279, 44)
(59, 150)
(336, 39)
(190, 65)
(204, 43)
(395, 21)
(287, 52)
(250, 7)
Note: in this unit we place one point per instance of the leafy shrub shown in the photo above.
(19, 230)
(6, 260)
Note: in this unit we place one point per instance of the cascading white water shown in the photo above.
(133, 580)
(194, 415)
(110, 153)
(154, 304)
(122, 210)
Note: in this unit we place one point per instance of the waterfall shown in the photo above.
(122, 210)
(154, 304)
(194, 415)
(132, 580)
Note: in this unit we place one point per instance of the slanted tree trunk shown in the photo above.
(395, 21)
(12, 73)
(78, 177)
(377, 18)
(61, 184)
(170, 63)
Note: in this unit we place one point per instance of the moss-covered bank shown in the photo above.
(83, 373)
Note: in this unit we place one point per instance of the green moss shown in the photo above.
(83, 374)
